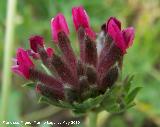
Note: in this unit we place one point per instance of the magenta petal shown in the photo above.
(128, 35)
(15, 69)
(35, 41)
(23, 58)
(112, 29)
(25, 71)
(20, 56)
(58, 24)
(21, 70)
(50, 52)
(80, 17)
(116, 21)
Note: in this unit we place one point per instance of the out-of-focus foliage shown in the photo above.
(142, 60)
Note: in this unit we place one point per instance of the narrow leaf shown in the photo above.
(29, 85)
(130, 97)
(46, 69)
(128, 83)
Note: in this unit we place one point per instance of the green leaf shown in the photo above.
(29, 85)
(57, 103)
(109, 102)
(109, 99)
(128, 82)
(130, 105)
(43, 99)
(88, 104)
(66, 104)
(130, 97)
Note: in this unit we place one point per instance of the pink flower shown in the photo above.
(35, 41)
(58, 24)
(122, 38)
(23, 64)
(81, 19)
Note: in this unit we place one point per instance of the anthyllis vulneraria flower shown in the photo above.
(82, 82)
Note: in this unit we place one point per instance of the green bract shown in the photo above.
(116, 99)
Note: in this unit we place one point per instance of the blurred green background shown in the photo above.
(142, 60)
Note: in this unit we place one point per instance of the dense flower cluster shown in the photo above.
(76, 78)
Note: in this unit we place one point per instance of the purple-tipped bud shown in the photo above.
(24, 64)
(108, 59)
(113, 29)
(122, 39)
(81, 19)
(69, 56)
(36, 41)
(48, 80)
(58, 24)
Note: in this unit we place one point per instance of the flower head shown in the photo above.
(70, 79)
(23, 63)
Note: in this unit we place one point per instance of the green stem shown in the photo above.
(9, 37)
(92, 119)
